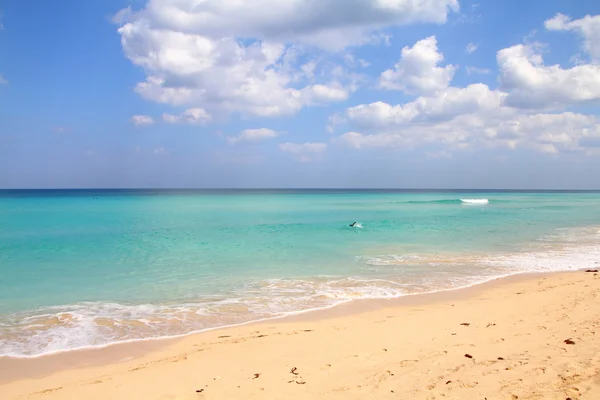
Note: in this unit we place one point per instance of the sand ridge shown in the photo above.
(530, 339)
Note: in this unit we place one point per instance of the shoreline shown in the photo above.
(229, 348)
(345, 308)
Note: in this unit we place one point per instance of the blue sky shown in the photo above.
(360, 93)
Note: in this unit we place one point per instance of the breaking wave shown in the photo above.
(97, 324)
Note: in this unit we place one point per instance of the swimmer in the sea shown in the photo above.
(353, 224)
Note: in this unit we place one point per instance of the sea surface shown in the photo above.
(89, 268)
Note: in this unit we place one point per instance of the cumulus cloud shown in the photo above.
(304, 152)
(418, 71)
(195, 116)
(548, 133)
(444, 106)
(241, 56)
(471, 48)
(588, 27)
(253, 135)
(509, 117)
(531, 84)
(142, 120)
(342, 22)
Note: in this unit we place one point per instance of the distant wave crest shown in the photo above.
(450, 201)
(475, 201)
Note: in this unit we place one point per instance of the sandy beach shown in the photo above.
(527, 337)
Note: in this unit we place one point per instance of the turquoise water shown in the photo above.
(89, 268)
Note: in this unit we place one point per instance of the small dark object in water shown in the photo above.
(468, 356)
(569, 341)
(352, 224)
(293, 371)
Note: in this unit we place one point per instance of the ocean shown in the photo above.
(87, 268)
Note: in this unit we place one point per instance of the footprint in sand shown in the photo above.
(408, 363)
(467, 385)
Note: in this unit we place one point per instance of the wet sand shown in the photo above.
(526, 337)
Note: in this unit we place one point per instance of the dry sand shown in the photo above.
(526, 338)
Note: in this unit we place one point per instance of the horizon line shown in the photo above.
(300, 188)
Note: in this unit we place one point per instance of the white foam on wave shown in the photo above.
(565, 259)
(475, 201)
(99, 324)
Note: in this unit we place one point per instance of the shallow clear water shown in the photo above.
(88, 268)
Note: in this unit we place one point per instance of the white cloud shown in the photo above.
(358, 140)
(196, 116)
(444, 106)
(159, 151)
(477, 116)
(588, 27)
(222, 75)
(306, 21)
(253, 135)
(142, 120)
(316, 94)
(548, 133)
(241, 56)
(531, 84)
(471, 48)
(475, 70)
(304, 152)
(3, 81)
(418, 71)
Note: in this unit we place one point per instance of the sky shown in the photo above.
(300, 94)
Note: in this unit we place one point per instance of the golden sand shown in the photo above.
(535, 337)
